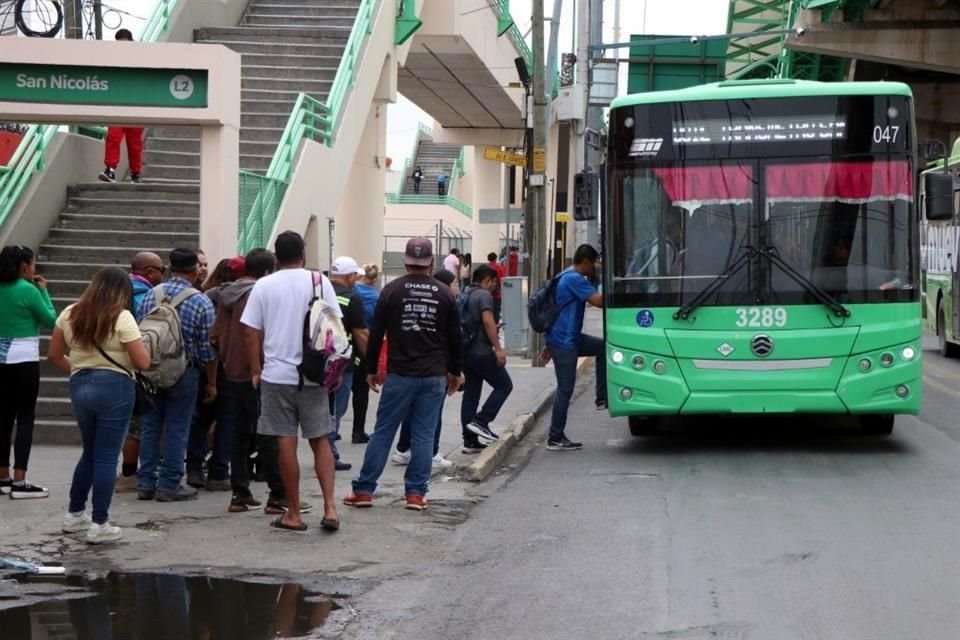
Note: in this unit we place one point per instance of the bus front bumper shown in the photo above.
(649, 384)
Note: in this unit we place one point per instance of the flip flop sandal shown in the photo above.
(330, 525)
(278, 524)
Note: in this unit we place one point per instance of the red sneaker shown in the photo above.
(358, 500)
(416, 503)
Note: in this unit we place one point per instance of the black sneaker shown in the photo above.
(5, 486)
(243, 502)
(601, 405)
(563, 445)
(196, 480)
(146, 495)
(340, 465)
(473, 446)
(135, 178)
(179, 495)
(108, 175)
(26, 491)
(360, 438)
(482, 431)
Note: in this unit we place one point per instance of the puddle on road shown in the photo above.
(151, 606)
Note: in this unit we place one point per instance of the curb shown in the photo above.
(523, 424)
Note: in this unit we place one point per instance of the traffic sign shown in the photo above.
(515, 159)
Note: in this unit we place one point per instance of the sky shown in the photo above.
(657, 17)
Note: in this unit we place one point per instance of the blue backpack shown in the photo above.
(469, 328)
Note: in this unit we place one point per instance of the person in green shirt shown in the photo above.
(26, 307)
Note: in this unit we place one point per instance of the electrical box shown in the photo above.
(586, 191)
(516, 325)
(570, 103)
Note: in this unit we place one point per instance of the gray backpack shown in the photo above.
(163, 338)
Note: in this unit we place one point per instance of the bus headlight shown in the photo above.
(865, 365)
(908, 353)
(617, 357)
(638, 362)
(625, 394)
(886, 359)
(659, 366)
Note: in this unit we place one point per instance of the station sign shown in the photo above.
(107, 86)
(515, 159)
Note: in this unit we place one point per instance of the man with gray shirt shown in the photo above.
(484, 361)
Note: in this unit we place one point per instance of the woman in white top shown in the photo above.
(105, 348)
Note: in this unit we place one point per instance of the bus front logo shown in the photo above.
(761, 345)
(725, 349)
(646, 147)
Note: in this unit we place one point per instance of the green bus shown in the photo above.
(940, 257)
(761, 252)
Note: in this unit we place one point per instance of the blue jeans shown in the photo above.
(102, 403)
(338, 407)
(402, 397)
(478, 369)
(565, 368)
(170, 420)
(403, 442)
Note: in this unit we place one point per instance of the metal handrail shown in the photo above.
(459, 205)
(159, 20)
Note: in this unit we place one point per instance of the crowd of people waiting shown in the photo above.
(241, 333)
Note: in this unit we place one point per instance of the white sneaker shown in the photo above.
(76, 522)
(100, 533)
(400, 458)
(439, 462)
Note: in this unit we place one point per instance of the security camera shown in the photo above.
(694, 40)
(800, 30)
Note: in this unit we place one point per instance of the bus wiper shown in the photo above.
(822, 296)
(684, 312)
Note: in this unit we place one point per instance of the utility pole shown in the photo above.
(73, 19)
(595, 114)
(536, 218)
(98, 19)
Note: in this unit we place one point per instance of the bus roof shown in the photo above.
(745, 89)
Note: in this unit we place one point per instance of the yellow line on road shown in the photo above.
(939, 368)
(941, 387)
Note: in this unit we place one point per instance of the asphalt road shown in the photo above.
(767, 529)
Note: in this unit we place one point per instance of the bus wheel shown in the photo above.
(877, 424)
(644, 425)
(947, 349)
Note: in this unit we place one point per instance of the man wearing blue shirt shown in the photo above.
(567, 342)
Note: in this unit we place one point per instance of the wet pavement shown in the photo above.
(159, 606)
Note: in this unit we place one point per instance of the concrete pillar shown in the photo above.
(219, 191)
(359, 223)
(488, 193)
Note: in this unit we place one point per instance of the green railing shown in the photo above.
(159, 20)
(29, 156)
(257, 191)
(450, 201)
(502, 9)
(310, 119)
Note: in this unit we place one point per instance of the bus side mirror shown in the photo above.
(933, 150)
(938, 195)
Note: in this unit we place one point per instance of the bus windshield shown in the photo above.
(844, 225)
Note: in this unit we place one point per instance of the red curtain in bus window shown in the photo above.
(689, 187)
(849, 182)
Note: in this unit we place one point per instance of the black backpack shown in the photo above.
(469, 328)
(542, 307)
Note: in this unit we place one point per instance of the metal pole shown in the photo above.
(552, 52)
(594, 115)
(73, 19)
(538, 218)
(98, 19)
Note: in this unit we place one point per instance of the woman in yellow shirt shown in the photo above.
(102, 393)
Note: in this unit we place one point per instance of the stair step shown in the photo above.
(277, 71)
(55, 386)
(52, 431)
(300, 10)
(100, 222)
(78, 271)
(173, 172)
(73, 237)
(280, 95)
(287, 85)
(261, 134)
(296, 62)
(135, 208)
(249, 33)
(264, 120)
(175, 132)
(281, 21)
(329, 47)
(153, 158)
(122, 191)
(111, 256)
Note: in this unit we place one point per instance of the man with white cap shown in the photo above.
(344, 273)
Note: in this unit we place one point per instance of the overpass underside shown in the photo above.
(912, 41)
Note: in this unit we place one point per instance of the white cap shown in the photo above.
(344, 266)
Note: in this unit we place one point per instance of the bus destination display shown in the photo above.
(760, 130)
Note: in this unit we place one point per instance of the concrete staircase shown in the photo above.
(434, 158)
(287, 47)
(104, 225)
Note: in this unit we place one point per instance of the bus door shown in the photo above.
(954, 280)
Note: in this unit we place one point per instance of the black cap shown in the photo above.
(183, 260)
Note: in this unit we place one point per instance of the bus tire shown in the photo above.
(947, 349)
(641, 426)
(877, 424)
